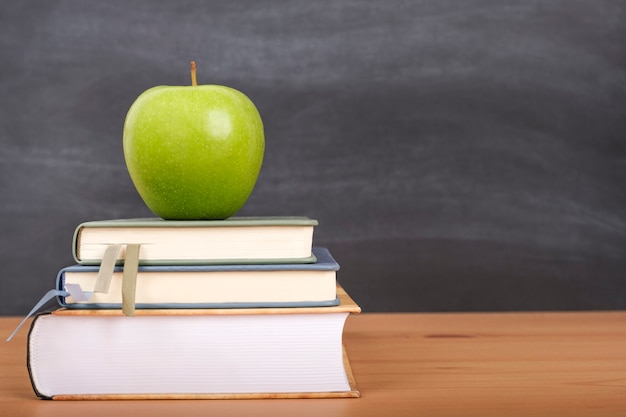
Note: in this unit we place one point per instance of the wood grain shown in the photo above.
(479, 364)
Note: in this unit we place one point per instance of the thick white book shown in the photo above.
(186, 353)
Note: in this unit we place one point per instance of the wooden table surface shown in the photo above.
(478, 364)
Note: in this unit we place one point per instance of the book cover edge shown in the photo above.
(29, 337)
(241, 221)
(234, 261)
(346, 305)
(320, 260)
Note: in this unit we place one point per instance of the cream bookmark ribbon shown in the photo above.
(103, 281)
(107, 265)
(129, 279)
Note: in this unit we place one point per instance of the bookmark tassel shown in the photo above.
(107, 265)
(103, 281)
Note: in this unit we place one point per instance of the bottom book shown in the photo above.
(192, 353)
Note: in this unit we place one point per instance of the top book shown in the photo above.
(234, 240)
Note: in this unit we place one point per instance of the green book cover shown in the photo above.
(234, 240)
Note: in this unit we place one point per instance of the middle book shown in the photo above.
(214, 286)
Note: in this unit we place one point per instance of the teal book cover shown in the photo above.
(213, 286)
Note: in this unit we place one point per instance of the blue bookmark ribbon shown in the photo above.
(103, 280)
(47, 297)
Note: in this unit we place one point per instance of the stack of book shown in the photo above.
(236, 308)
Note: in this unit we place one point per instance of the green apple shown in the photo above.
(193, 152)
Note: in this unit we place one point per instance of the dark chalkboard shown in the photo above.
(459, 155)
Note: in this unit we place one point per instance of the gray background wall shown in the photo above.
(459, 155)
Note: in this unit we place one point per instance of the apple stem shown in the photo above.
(194, 82)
